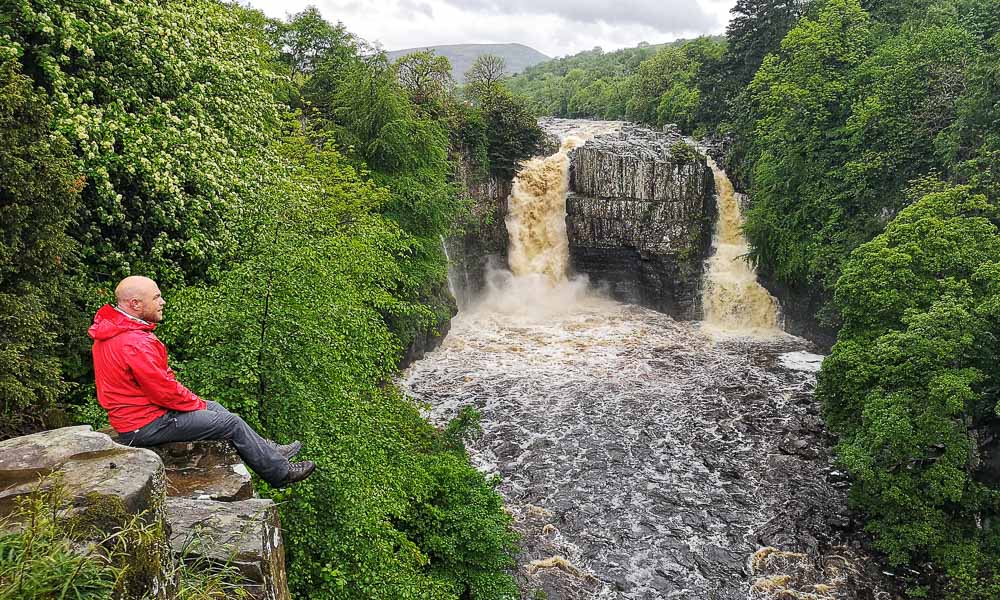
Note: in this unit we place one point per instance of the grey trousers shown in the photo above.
(213, 423)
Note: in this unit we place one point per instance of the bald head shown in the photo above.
(140, 297)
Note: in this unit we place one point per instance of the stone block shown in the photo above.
(224, 483)
(201, 454)
(245, 535)
(107, 486)
(206, 470)
(639, 220)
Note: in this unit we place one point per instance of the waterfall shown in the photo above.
(451, 276)
(536, 221)
(734, 302)
(538, 284)
(639, 456)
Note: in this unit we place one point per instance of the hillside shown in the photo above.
(622, 84)
(518, 56)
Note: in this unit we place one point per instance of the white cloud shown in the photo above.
(555, 27)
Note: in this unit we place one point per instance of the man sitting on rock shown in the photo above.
(148, 406)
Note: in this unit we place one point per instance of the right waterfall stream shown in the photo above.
(643, 457)
(733, 300)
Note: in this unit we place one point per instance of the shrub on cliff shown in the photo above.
(912, 384)
(295, 337)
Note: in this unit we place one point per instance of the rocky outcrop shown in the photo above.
(482, 243)
(245, 536)
(106, 485)
(424, 338)
(799, 313)
(195, 497)
(206, 470)
(639, 217)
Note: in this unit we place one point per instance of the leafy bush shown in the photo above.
(165, 105)
(41, 559)
(912, 382)
(294, 336)
(39, 193)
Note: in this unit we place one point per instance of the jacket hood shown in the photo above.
(109, 322)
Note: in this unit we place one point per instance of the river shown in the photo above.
(643, 457)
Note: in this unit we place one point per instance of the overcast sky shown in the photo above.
(554, 27)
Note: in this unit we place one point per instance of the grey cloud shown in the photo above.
(412, 8)
(663, 15)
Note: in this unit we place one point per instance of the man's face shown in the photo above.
(152, 305)
(146, 302)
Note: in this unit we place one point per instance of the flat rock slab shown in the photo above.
(29, 456)
(244, 534)
(201, 454)
(105, 484)
(224, 483)
(205, 470)
(85, 463)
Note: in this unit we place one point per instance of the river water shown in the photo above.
(641, 457)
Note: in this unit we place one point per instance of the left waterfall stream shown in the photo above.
(641, 457)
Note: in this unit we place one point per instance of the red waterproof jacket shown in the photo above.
(134, 383)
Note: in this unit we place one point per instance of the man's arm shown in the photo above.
(157, 380)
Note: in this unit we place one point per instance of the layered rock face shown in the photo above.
(639, 218)
(483, 244)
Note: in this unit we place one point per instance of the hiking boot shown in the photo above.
(297, 471)
(286, 450)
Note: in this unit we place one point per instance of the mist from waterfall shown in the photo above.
(734, 302)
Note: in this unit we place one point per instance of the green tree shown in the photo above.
(39, 194)
(427, 78)
(486, 71)
(802, 98)
(306, 40)
(755, 30)
(971, 144)
(912, 380)
(166, 122)
(906, 96)
(511, 129)
(655, 78)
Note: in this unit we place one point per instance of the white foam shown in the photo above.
(801, 361)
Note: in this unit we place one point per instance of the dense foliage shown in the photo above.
(853, 156)
(670, 83)
(288, 187)
(912, 387)
(296, 338)
(39, 192)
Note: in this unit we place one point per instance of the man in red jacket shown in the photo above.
(148, 406)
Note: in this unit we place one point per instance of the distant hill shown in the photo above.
(604, 64)
(606, 85)
(518, 56)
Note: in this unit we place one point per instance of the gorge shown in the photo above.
(643, 456)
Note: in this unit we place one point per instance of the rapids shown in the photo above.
(641, 457)
(645, 453)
